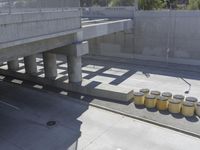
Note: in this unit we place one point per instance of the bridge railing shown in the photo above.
(19, 6)
(108, 12)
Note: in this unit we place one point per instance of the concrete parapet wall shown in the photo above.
(108, 12)
(27, 25)
(157, 35)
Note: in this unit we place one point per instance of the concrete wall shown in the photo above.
(108, 12)
(157, 35)
(60, 3)
(27, 25)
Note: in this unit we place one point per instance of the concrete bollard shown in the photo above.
(162, 103)
(150, 101)
(139, 98)
(179, 97)
(167, 94)
(188, 109)
(174, 106)
(145, 91)
(198, 109)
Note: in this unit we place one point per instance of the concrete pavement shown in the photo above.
(139, 74)
(115, 132)
(25, 112)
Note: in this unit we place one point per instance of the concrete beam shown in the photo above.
(96, 30)
(30, 65)
(13, 65)
(77, 50)
(27, 47)
(50, 66)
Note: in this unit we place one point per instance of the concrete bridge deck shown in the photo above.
(20, 44)
(51, 33)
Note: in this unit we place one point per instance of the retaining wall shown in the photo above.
(172, 36)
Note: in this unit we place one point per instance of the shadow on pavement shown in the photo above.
(34, 119)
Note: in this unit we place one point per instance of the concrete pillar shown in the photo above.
(30, 64)
(74, 68)
(50, 67)
(13, 65)
(74, 52)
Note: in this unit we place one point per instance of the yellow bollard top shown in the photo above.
(144, 90)
(151, 97)
(157, 93)
(180, 97)
(138, 94)
(191, 99)
(162, 98)
(167, 94)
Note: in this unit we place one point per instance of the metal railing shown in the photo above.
(18, 6)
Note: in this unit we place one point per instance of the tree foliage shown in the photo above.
(194, 4)
(121, 3)
(151, 4)
(107, 2)
(142, 4)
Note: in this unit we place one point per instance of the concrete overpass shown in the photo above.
(51, 33)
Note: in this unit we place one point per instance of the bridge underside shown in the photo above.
(72, 44)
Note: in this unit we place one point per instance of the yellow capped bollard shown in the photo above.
(198, 109)
(174, 106)
(145, 91)
(179, 97)
(150, 101)
(191, 99)
(162, 103)
(167, 94)
(155, 93)
(188, 109)
(139, 98)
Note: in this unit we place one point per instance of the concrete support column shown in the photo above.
(30, 64)
(74, 68)
(13, 65)
(50, 67)
(75, 52)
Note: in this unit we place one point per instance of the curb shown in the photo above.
(147, 120)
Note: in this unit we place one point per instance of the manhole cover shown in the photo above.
(51, 123)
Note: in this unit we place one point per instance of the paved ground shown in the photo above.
(153, 75)
(24, 113)
(115, 132)
(140, 74)
(136, 74)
